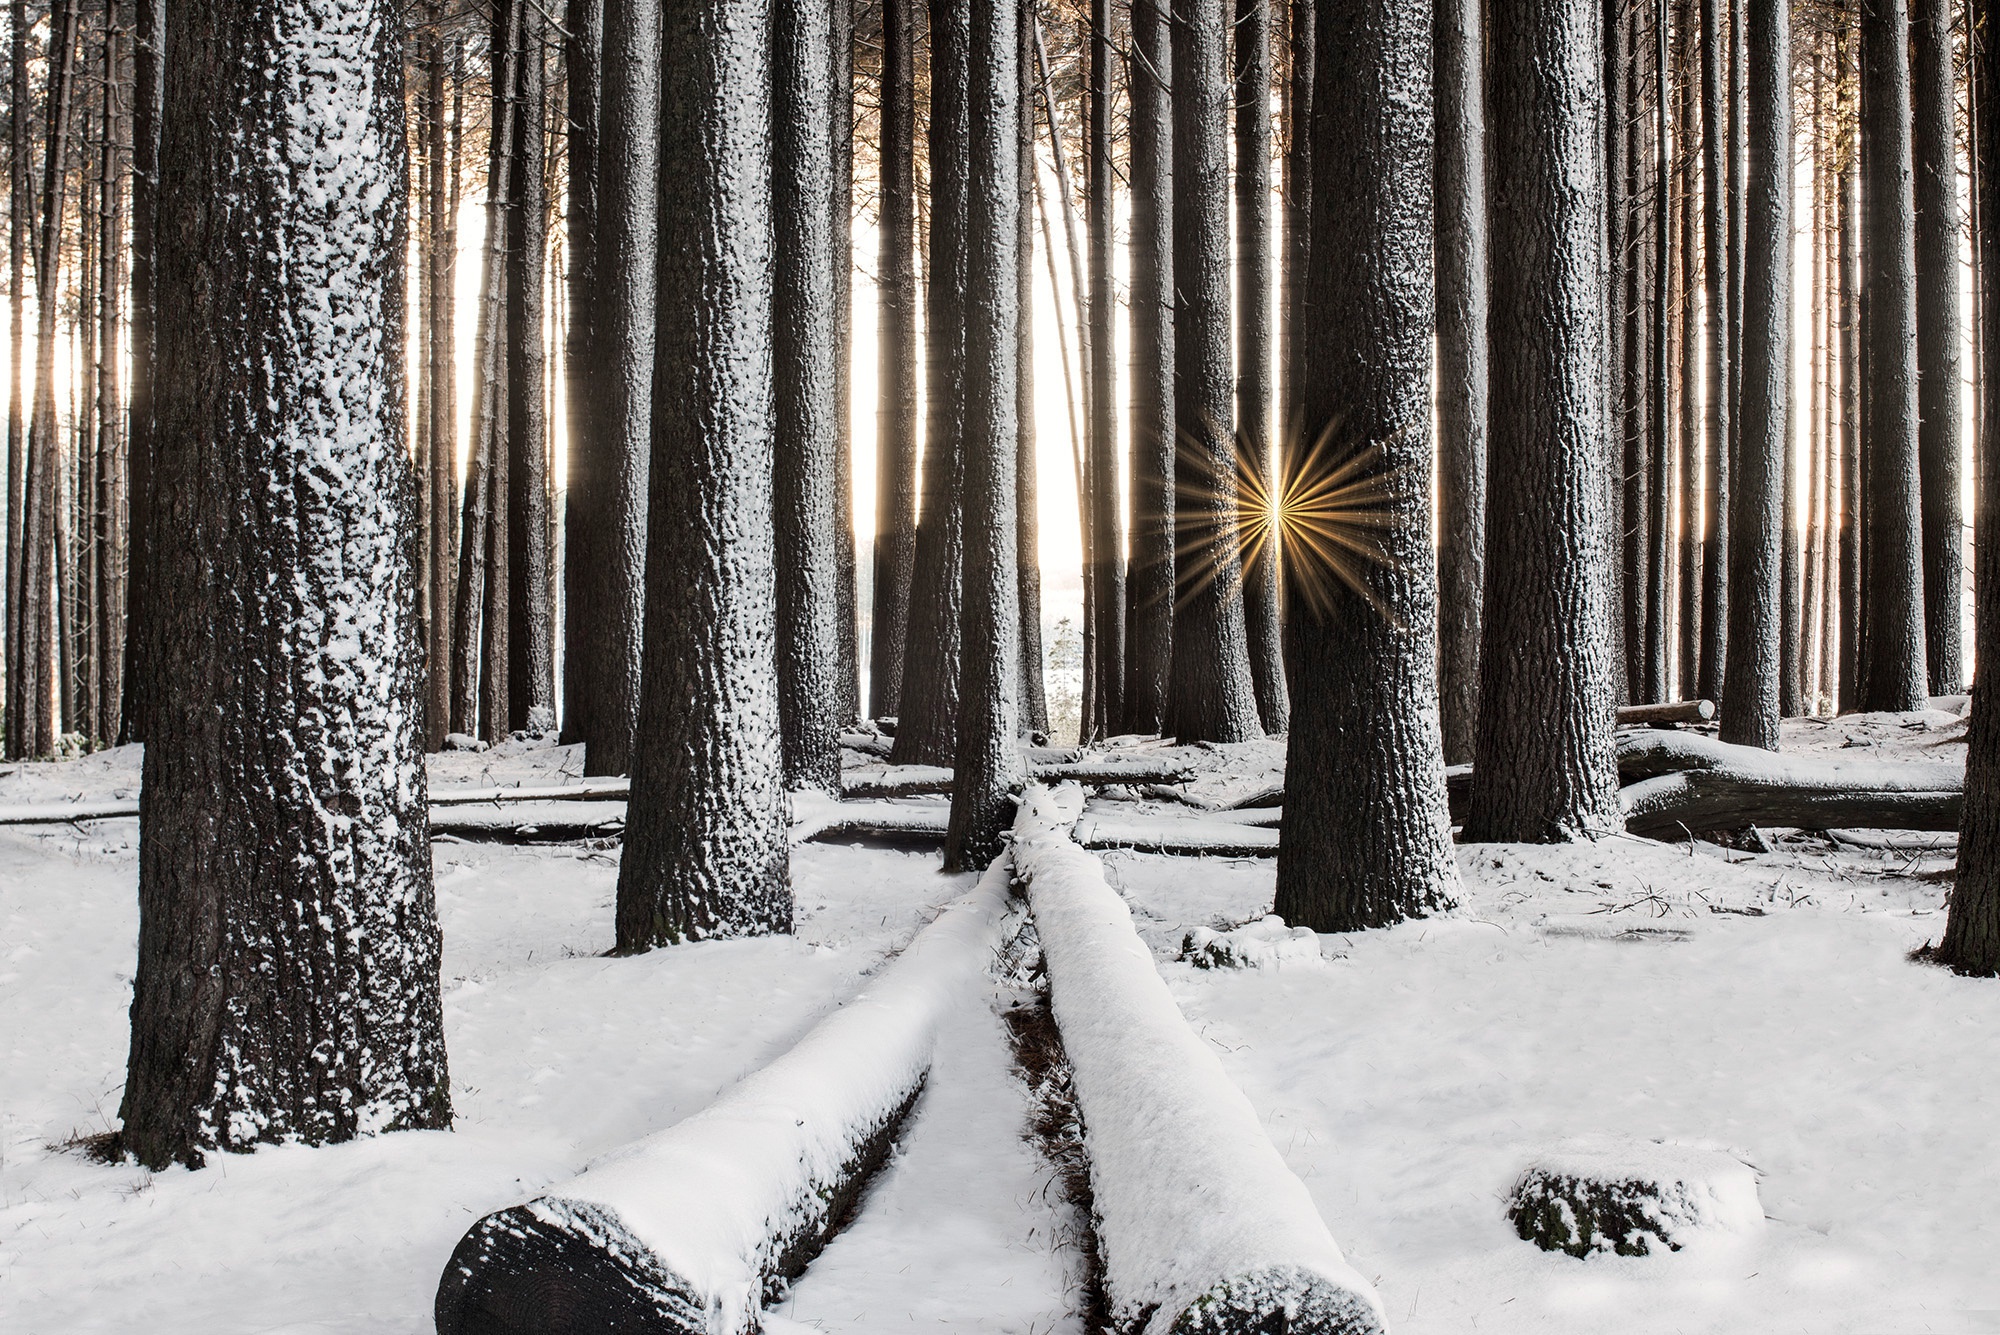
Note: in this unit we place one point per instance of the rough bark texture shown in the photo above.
(1105, 560)
(1750, 698)
(1034, 699)
(441, 327)
(705, 840)
(1893, 668)
(1544, 767)
(1934, 101)
(1254, 390)
(847, 593)
(1719, 409)
(989, 755)
(1659, 377)
(1149, 611)
(1210, 696)
(530, 663)
(288, 943)
(896, 378)
(1687, 367)
(583, 53)
(17, 255)
(1850, 379)
(811, 698)
(1298, 212)
(1367, 839)
(148, 49)
(1461, 365)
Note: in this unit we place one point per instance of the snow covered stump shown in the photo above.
(690, 1231)
(1202, 1228)
(1632, 1197)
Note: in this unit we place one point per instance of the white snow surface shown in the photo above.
(1189, 1192)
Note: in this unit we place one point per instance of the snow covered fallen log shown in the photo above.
(868, 781)
(542, 821)
(589, 790)
(1663, 715)
(59, 813)
(1201, 1226)
(1690, 784)
(1200, 836)
(690, 1231)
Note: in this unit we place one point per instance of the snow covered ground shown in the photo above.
(1757, 1003)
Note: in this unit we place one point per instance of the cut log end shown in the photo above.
(561, 1268)
(1283, 1300)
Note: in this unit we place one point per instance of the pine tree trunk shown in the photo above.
(1894, 669)
(803, 320)
(1659, 329)
(1718, 406)
(286, 633)
(1106, 568)
(1618, 242)
(847, 651)
(1211, 697)
(1849, 296)
(1298, 217)
(927, 733)
(1254, 390)
(1367, 838)
(530, 658)
(1149, 612)
(896, 378)
(1687, 364)
(1034, 699)
(1934, 100)
(988, 761)
(1461, 365)
(108, 518)
(1632, 271)
(1813, 621)
(583, 388)
(1750, 697)
(18, 224)
(1544, 767)
(705, 840)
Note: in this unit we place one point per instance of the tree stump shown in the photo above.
(1632, 1198)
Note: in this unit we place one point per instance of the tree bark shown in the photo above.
(1633, 271)
(1149, 611)
(1934, 125)
(1849, 296)
(1687, 365)
(1033, 698)
(805, 342)
(705, 840)
(847, 649)
(1461, 365)
(1367, 839)
(584, 54)
(1106, 559)
(108, 518)
(1298, 214)
(18, 225)
(530, 658)
(1750, 698)
(1544, 768)
(1659, 399)
(1719, 407)
(896, 324)
(441, 356)
(288, 961)
(1211, 696)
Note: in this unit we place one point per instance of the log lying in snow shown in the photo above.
(1201, 1226)
(59, 813)
(1193, 835)
(590, 790)
(1660, 715)
(1689, 784)
(865, 781)
(544, 821)
(690, 1231)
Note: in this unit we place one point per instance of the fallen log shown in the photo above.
(872, 781)
(1201, 1226)
(1196, 836)
(868, 781)
(588, 791)
(543, 821)
(692, 1230)
(1666, 714)
(63, 813)
(1689, 784)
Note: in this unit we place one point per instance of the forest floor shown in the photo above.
(1758, 1002)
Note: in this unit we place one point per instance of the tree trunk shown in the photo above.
(803, 319)
(705, 839)
(928, 730)
(1367, 838)
(1461, 366)
(1618, 240)
(1254, 391)
(583, 552)
(1716, 374)
(308, 1005)
(108, 511)
(1632, 269)
(1659, 336)
(1934, 124)
(1211, 697)
(13, 634)
(989, 756)
(1812, 620)
(1034, 700)
(1149, 611)
(441, 355)
(1106, 559)
(530, 659)
(896, 343)
(847, 649)
(1687, 157)
(1298, 219)
(1544, 767)
(1849, 296)
(1750, 699)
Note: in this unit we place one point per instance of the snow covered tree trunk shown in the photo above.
(1934, 90)
(621, 419)
(1659, 377)
(847, 641)
(1687, 149)
(1751, 697)
(896, 378)
(1149, 592)
(584, 56)
(17, 255)
(1461, 364)
(442, 357)
(988, 761)
(1972, 932)
(530, 658)
(1106, 559)
(1849, 296)
(288, 945)
(1367, 839)
(927, 733)
(1543, 766)
(1211, 696)
(148, 45)
(705, 836)
(810, 695)
(1718, 407)
(1033, 700)
(1893, 672)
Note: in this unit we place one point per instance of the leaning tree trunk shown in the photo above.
(896, 378)
(1461, 365)
(307, 1007)
(584, 55)
(1254, 390)
(1971, 941)
(1934, 99)
(1367, 839)
(1893, 675)
(1105, 568)
(988, 762)
(1719, 409)
(811, 698)
(1149, 610)
(1543, 767)
(530, 658)
(1750, 708)
(1034, 699)
(705, 838)
(1210, 696)
(927, 732)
